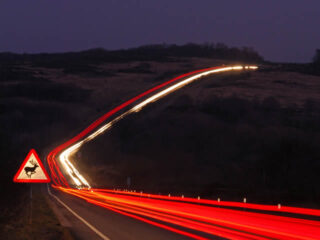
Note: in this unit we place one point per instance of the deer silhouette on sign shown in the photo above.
(31, 170)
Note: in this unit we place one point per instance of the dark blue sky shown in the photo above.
(281, 30)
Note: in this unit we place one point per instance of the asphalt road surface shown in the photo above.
(112, 225)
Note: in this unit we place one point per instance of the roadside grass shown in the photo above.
(15, 224)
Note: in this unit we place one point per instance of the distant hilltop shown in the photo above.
(154, 52)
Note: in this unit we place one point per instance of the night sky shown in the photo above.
(280, 30)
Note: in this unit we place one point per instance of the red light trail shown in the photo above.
(229, 223)
(183, 214)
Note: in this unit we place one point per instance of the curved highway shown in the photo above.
(147, 216)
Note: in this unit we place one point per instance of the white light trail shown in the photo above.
(77, 178)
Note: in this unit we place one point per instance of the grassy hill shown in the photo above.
(229, 135)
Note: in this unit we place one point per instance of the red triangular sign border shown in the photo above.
(15, 179)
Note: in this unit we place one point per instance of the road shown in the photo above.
(190, 218)
(113, 214)
(111, 224)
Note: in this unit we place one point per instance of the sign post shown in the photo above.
(30, 220)
(31, 171)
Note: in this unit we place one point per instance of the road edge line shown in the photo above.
(79, 217)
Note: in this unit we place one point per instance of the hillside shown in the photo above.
(48, 98)
(226, 135)
(234, 135)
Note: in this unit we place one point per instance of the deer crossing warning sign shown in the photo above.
(32, 170)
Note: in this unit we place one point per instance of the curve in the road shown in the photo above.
(71, 146)
(186, 212)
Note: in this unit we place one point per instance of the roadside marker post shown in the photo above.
(31, 171)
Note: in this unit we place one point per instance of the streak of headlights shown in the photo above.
(74, 174)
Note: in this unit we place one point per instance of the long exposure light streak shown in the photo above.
(183, 214)
(57, 176)
(230, 223)
(271, 208)
(74, 174)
